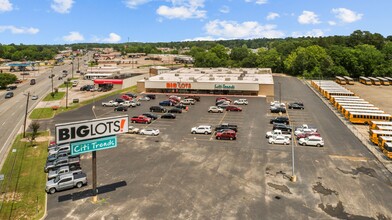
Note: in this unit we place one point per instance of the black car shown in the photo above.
(296, 105)
(121, 108)
(175, 110)
(9, 95)
(150, 115)
(226, 126)
(166, 103)
(157, 109)
(278, 109)
(169, 116)
(282, 127)
(151, 96)
(131, 95)
(86, 87)
(119, 100)
(282, 120)
(181, 106)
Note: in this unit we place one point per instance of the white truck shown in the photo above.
(110, 103)
(304, 129)
(66, 181)
(128, 104)
(63, 170)
(275, 133)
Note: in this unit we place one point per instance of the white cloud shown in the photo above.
(332, 23)
(182, 9)
(346, 16)
(311, 33)
(259, 2)
(113, 38)
(5, 5)
(62, 6)
(207, 38)
(135, 3)
(19, 30)
(246, 30)
(308, 17)
(73, 36)
(224, 9)
(272, 16)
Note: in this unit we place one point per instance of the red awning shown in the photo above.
(108, 81)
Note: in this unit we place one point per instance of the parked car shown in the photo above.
(241, 102)
(9, 95)
(233, 108)
(276, 133)
(201, 129)
(175, 98)
(66, 181)
(222, 98)
(150, 115)
(110, 103)
(308, 134)
(226, 125)
(168, 116)
(126, 97)
(136, 102)
(282, 120)
(275, 109)
(63, 170)
(215, 109)
(296, 105)
(197, 98)
(175, 110)
(128, 104)
(119, 100)
(157, 109)
(188, 101)
(277, 104)
(151, 96)
(181, 106)
(223, 105)
(282, 127)
(228, 134)
(149, 131)
(312, 141)
(222, 102)
(166, 103)
(144, 98)
(279, 140)
(133, 130)
(141, 119)
(86, 87)
(121, 108)
(131, 95)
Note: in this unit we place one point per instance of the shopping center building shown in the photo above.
(227, 81)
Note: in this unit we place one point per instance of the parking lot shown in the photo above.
(179, 175)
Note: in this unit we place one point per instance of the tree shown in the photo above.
(6, 79)
(270, 59)
(368, 59)
(239, 53)
(34, 126)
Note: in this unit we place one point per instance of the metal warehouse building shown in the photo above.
(241, 81)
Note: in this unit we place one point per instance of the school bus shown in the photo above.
(389, 79)
(345, 105)
(384, 128)
(341, 92)
(337, 104)
(374, 124)
(375, 81)
(383, 81)
(365, 118)
(335, 99)
(375, 134)
(347, 111)
(340, 80)
(388, 150)
(344, 108)
(349, 80)
(365, 80)
(382, 140)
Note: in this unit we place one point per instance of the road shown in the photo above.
(12, 111)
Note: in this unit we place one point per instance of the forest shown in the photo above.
(360, 54)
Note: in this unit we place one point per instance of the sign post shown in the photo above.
(90, 136)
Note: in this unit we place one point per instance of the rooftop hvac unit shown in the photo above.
(146, 78)
(212, 78)
(227, 79)
(176, 74)
(229, 72)
(245, 72)
(196, 69)
(203, 72)
(256, 79)
(211, 75)
(219, 70)
(240, 78)
(161, 78)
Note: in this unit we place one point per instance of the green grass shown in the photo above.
(57, 96)
(24, 181)
(64, 86)
(42, 113)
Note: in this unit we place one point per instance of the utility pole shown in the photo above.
(25, 119)
(66, 94)
(293, 176)
(72, 67)
(280, 93)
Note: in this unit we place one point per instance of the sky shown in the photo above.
(120, 21)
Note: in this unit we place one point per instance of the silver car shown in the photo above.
(215, 109)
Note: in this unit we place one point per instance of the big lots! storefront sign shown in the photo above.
(178, 85)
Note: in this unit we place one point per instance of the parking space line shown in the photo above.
(362, 159)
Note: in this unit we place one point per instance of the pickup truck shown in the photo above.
(226, 126)
(62, 161)
(275, 133)
(305, 126)
(63, 170)
(141, 119)
(60, 148)
(110, 103)
(66, 181)
(54, 157)
(128, 104)
(133, 130)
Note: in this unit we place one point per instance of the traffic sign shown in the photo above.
(104, 143)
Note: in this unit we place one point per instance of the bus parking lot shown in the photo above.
(179, 175)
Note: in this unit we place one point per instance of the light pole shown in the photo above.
(66, 93)
(280, 93)
(72, 67)
(25, 119)
(293, 176)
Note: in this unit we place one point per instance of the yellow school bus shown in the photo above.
(340, 80)
(365, 80)
(383, 81)
(335, 98)
(374, 124)
(375, 81)
(388, 150)
(345, 105)
(375, 134)
(347, 111)
(349, 80)
(382, 140)
(365, 118)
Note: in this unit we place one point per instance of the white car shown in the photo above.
(241, 102)
(202, 129)
(149, 131)
(188, 101)
(133, 130)
(312, 141)
(34, 97)
(278, 140)
(302, 131)
(277, 104)
(215, 109)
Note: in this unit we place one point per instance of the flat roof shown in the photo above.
(214, 75)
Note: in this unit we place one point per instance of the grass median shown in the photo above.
(57, 96)
(23, 187)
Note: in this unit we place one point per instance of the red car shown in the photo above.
(305, 135)
(226, 134)
(233, 108)
(125, 97)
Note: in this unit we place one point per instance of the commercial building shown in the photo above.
(228, 81)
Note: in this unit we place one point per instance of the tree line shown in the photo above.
(360, 54)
